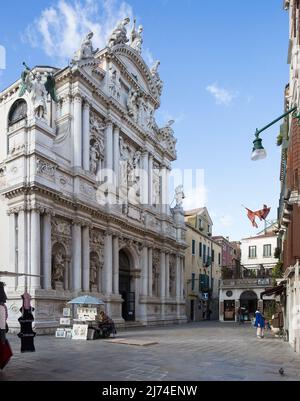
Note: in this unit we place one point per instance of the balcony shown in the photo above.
(247, 282)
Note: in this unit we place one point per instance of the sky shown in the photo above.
(224, 67)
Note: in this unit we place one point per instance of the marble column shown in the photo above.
(23, 242)
(145, 179)
(12, 242)
(86, 258)
(178, 284)
(86, 136)
(116, 264)
(109, 153)
(116, 155)
(162, 275)
(77, 131)
(164, 189)
(178, 278)
(145, 271)
(35, 248)
(107, 272)
(150, 180)
(76, 256)
(167, 275)
(150, 272)
(162, 283)
(46, 251)
(181, 277)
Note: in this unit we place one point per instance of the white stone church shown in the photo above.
(84, 173)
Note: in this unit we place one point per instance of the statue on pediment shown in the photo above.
(136, 39)
(155, 75)
(179, 196)
(39, 96)
(86, 50)
(119, 34)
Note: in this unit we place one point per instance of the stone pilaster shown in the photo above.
(150, 272)
(77, 131)
(46, 251)
(150, 180)
(116, 145)
(86, 136)
(76, 256)
(86, 258)
(107, 272)
(167, 290)
(22, 247)
(116, 265)
(35, 248)
(145, 178)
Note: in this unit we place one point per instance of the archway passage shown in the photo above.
(248, 301)
(126, 287)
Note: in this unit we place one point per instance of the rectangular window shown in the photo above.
(193, 281)
(212, 255)
(219, 259)
(200, 249)
(252, 252)
(204, 252)
(193, 247)
(200, 224)
(267, 251)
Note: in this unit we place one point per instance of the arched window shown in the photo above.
(17, 112)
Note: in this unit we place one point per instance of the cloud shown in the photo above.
(222, 96)
(59, 29)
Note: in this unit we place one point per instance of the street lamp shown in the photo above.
(259, 152)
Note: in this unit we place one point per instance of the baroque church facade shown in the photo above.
(84, 171)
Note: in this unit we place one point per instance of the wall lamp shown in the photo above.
(259, 152)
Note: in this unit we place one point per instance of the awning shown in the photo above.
(273, 291)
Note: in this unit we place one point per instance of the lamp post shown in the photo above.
(258, 152)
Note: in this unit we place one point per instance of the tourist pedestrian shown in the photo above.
(259, 324)
(240, 318)
(5, 350)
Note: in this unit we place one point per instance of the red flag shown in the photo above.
(263, 213)
(251, 216)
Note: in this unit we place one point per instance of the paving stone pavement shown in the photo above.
(203, 351)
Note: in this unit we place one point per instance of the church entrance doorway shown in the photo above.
(125, 287)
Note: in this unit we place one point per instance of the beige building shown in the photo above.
(202, 266)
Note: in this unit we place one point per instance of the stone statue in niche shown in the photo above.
(94, 266)
(86, 50)
(39, 96)
(58, 268)
(155, 75)
(136, 39)
(94, 158)
(114, 83)
(133, 104)
(119, 34)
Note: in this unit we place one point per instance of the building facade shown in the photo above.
(202, 267)
(231, 254)
(289, 203)
(84, 181)
(255, 277)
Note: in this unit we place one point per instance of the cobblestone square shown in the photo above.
(194, 352)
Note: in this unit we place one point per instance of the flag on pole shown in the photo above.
(262, 214)
(251, 216)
